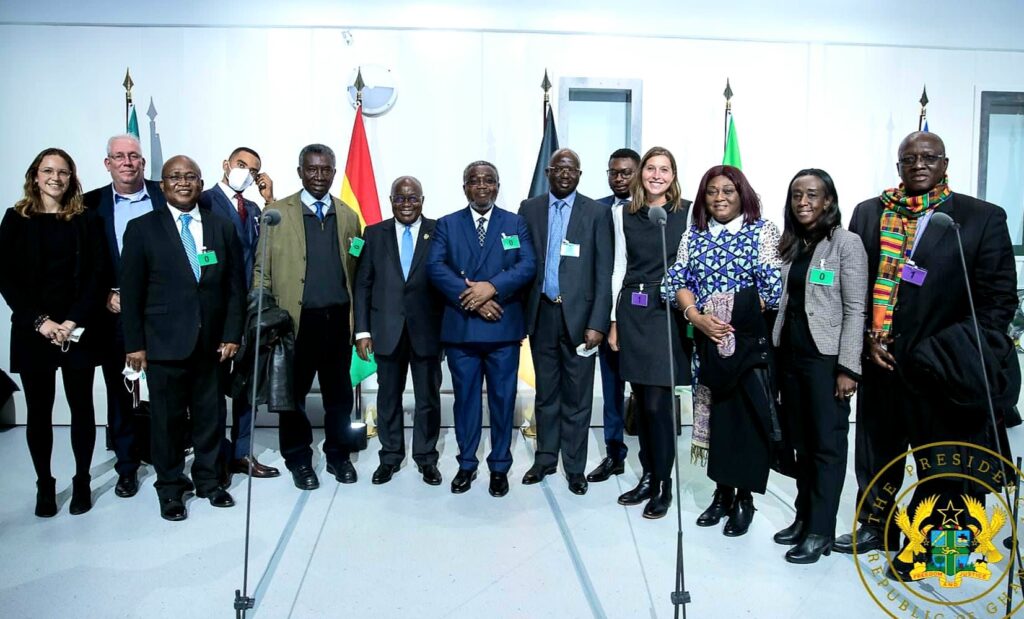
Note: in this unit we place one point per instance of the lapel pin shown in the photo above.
(426, 235)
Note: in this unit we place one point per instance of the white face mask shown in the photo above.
(239, 179)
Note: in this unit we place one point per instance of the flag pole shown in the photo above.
(728, 112)
(546, 86)
(924, 108)
(128, 83)
(359, 85)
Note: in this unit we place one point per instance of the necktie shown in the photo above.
(242, 212)
(553, 258)
(319, 210)
(480, 231)
(405, 254)
(189, 242)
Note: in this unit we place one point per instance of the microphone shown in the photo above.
(272, 217)
(944, 219)
(658, 215)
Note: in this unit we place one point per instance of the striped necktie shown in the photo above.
(189, 242)
(481, 232)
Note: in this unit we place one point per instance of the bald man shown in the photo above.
(398, 319)
(182, 306)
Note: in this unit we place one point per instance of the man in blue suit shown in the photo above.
(241, 169)
(482, 260)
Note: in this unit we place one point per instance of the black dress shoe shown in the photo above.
(463, 480)
(537, 473)
(383, 473)
(431, 475)
(660, 501)
(720, 506)
(577, 483)
(259, 471)
(81, 495)
(305, 477)
(46, 498)
(344, 472)
(218, 497)
(173, 510)
(869, 538)
(606, 469)
(791, 535)
(810, 549)
(739, 518)
(637, 495)
(499, 484)
(898, 571)
(127, 485)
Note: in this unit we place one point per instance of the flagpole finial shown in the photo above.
(924, 108)
(359, 84)
(128, 83)
(151, 112)
(546, 85)
(727, 93)
(924, 96)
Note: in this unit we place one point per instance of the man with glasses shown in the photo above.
(918, 298)
(183, 309)
(622, 165)
(310, 268)
(482, 260)
(398, 320)
(567, 315)
(127, 197)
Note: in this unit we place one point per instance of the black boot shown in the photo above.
(792, 534)
(81, 495)
(740, 516)
(660, 501)
(811, 549)
(720, 506)
(46, 497)
(638, 495)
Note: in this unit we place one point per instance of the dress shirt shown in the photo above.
(619, 262)
(477, 215)
(556, 236)
(733, 226)
(195, 226)
(307, 198)
(127, 208)
(399, 231)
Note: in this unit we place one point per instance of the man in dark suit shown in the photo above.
(567, 315)
(128, 196)
(182, 291)
(622, 165)
(241, 169)
(482, 260)
(398, 319)
(891, 413)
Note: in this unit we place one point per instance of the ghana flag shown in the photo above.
(358, 188)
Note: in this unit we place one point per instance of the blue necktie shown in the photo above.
(189, 242)
(319, 210)
(405, 255)
(553, 258)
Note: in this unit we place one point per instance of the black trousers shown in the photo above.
(120, 413)
(655, 429)
(817, 424)
(323, 349)
(40, 392)
(184, 395)
(565, 392)
(426, 383)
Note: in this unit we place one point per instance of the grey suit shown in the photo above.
(835, 314)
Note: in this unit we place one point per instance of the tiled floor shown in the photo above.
(404, 549)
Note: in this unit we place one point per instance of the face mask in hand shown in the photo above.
(239, 179)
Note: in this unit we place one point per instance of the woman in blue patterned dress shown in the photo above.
(728, 248)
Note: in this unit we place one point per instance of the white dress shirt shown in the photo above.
(195, 226)
(619, 263)
(414, 229)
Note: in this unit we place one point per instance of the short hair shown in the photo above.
(317, 149)
(674, 195)
(465, 172)
(793, 232)
(71, 203)
(407, 178)
(561, 152)
(626, 153)
(750, 204)
(122, 136)
(246, 149)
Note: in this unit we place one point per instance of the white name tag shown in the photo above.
(572, 250)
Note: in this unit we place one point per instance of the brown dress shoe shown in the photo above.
(241, 466)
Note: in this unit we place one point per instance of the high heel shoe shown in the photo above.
(660, 501)
(811, 549)
(791, 535)
(739, 518)
(46, 498)
(720, 506)
(81, 495)
(638, 495)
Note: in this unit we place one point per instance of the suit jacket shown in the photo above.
(213, 199)
(455, 256)
(284, 275)
(923, 311)
(101, 200)
(163, 309)
(607, 200)
(584, 283)
(385, 303)
(835, 314)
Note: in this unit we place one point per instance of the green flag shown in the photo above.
(732, 148)
(133, 121)
(361, 370)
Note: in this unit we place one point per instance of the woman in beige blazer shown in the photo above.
(819, 334)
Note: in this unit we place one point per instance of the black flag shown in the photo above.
(548, 146)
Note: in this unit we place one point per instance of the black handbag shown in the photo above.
(630, 422)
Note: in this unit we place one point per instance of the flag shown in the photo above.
(732, 147)
(133, 121)
(359, 188)
(548, 146)
(361, 370)
(925, 126)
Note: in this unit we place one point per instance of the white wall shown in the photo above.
(836, 90)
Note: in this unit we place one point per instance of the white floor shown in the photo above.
(404, 549)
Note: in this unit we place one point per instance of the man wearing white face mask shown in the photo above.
(241, 169)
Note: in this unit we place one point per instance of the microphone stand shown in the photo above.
(680, 596)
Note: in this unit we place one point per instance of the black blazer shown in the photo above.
(163, 309)
(385, 303)
(101, 200)
(923, 311)
(584, 282)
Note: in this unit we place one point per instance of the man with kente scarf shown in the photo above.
(917, 295)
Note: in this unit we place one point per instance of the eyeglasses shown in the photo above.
(626, 174)
(65, 174)
(410, 200)
(563, 170)
(178, 179)
(119, 157)
(476, 181)
(928, 160)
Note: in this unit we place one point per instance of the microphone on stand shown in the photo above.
(272, 217)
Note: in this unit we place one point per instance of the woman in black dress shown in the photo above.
(638, 327)
(50, 270)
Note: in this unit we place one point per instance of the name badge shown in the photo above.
(822, 277)
(638, 299)
(913, 274)
(206, 258)
(510, 242)
(571, 250)
(356, 246)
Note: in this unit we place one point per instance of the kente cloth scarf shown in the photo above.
(720, 306)
(898, 229)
